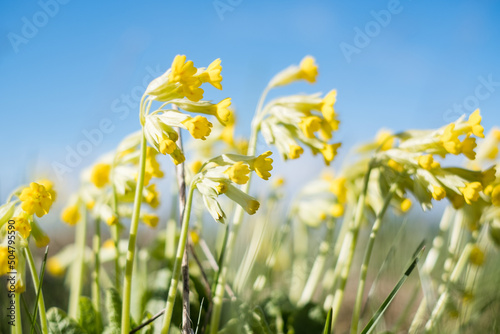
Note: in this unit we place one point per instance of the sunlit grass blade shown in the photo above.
(25, 307)
(328, 323)
(378, 314)
(390, 257)
(42, 274)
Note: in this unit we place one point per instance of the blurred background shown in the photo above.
(74, 70)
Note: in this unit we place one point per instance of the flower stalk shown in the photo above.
(134, 225)
(233, 232)
(36, 285)
(367, 257)
(172, 291)
(96, 288)
(77, 268)
(318, 266)
(349, 246)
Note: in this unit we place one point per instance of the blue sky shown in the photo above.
(79, 64)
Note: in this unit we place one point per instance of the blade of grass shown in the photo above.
(42, 273)
(25, 306)
(390, 257)
(199, 316)
(378, 314)
(328, 323)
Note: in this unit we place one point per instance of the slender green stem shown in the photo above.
(115, 234)
(231, 239)
(77, 269)
(348, 248)
(366, 259)
(172, 291)
(96, 288)
(134, 225)
(17, 328)
(300, 241)
(319, 265)
(36, 285)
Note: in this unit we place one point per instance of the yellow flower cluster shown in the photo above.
(294, 122)
(36, 199)
(180, 87)
(220, 175)
(307, 70)
(184, 80)
(451, 141)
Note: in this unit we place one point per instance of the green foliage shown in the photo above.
(88, 318)
(114, 309)
(60, 323)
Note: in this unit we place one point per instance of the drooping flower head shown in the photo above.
(180, 87)
(221, 175)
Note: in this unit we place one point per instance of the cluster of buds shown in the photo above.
(180, 87)
(17, 225)
(297, 121)
(223, 174)
(410, 158)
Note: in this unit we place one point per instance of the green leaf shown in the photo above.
(258, 322)
(87, 316)
(59, 323)
(114, 308)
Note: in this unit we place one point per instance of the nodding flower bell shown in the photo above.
(221, 175)
(36, 199)
(307, 70)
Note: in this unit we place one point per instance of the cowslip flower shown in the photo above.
(71, 214)
(495, 195)
(320, 199)
(307, 70)
(238, 173)
(177, 82)
(4, 256)
(36, 199)
(488, 149)
(100, 174)
(199, 127)
(471, 191)
(411, 161)
(212, 74)
(160, 133)
(22, 226)
(150, 219)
